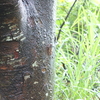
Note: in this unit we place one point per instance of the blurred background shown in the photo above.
(77, 50)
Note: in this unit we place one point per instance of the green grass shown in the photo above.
(78, 52)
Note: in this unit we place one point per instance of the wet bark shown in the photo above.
(26, 49)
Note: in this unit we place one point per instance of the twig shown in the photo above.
(63, 23)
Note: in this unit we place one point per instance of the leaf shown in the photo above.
(62, 0)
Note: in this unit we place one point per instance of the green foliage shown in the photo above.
(78, 51)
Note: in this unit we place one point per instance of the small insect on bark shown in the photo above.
(49, 49)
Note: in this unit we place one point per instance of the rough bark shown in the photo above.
(26, 49)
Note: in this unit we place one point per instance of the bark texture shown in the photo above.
(26, 49)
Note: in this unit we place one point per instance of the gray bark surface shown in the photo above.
(26, 49)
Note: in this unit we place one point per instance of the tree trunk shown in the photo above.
(26, 49)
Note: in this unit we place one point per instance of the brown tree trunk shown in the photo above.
(26, 49)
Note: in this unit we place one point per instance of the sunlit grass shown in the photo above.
(78, 55)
